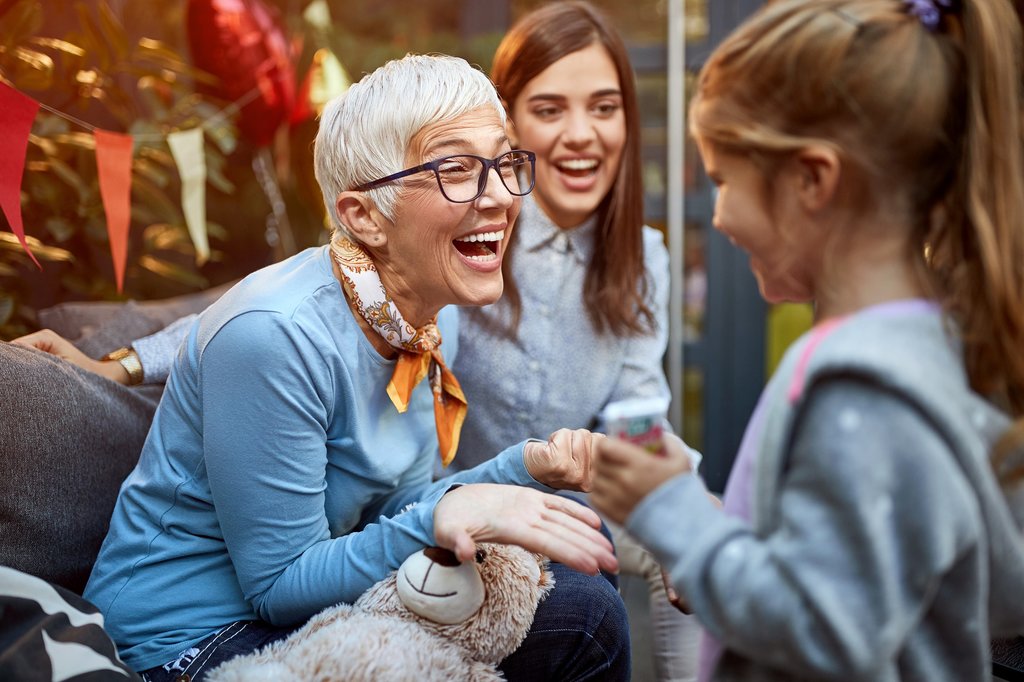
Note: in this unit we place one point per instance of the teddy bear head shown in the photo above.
(485, 606)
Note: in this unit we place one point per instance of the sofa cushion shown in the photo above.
(98, 327)
(49, 633)
(69, 437)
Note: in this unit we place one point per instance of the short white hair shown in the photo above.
(365, 132)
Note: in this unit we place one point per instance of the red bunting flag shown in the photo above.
(114, 162)
(17, 112)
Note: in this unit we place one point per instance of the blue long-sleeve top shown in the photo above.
(558, 371)
(276, 475)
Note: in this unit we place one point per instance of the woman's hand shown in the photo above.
(564, 462)
(53, 343)
(624, 474)
(560, 528)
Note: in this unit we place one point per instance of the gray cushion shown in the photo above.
(98, 327)
(67, 439)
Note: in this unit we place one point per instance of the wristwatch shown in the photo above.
(129, 359)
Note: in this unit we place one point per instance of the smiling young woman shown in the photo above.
(584, 316)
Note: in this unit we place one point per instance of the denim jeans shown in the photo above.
(579, 632)
(242, 637)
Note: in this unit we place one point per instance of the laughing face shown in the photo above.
(438, 252)
(749, 213)
(571, 115)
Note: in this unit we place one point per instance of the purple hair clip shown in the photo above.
(928, 11)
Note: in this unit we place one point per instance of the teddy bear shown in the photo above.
(433, 619)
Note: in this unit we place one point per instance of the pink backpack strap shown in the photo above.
(817, 335)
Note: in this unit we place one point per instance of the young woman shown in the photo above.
(583, 320)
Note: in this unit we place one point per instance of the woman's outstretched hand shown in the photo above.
(53, 343)
(624, 474)
(565, 461)
(560, 528)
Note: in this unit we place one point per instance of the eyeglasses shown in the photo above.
(463, 177)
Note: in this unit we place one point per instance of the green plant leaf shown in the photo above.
(24, 19)
(33, 70)
(171, 271)
(6, 309)
(61, 228)
(59, 45)
(148, 169)
(72, 178)
(92, 38)
(113, 31)
(9, 242)
(167, 237)
(76, 139)
(147, 192)
(151, 90)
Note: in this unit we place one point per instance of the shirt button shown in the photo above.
(545, 310)
(534, 365)
(523, 416)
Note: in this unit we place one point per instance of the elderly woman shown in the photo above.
(295, 432)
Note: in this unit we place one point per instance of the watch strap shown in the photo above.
(128, 359)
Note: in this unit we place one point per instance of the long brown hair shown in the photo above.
(930, 116)
(615, 286)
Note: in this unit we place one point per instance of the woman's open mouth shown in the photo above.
(578, 168)
(481, 247)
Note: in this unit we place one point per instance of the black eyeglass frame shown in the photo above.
(487, 164)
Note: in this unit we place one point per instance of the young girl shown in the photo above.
(868, 155)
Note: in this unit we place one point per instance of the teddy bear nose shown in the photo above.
(442, 556)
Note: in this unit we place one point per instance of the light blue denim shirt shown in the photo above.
(559, 372)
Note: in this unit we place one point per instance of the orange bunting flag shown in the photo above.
(114, 163)
(17, 112)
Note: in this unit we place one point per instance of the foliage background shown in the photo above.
(125, 66)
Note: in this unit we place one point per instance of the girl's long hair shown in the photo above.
(926, 118)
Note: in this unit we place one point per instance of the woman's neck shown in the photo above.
(379, 343)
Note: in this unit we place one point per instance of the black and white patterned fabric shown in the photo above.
(50, 633)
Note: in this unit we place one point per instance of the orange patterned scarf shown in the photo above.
(419, 349)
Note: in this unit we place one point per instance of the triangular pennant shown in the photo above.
(187, 149)
(17, 112)
(114, 163)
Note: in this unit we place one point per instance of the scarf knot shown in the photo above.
(419, 348)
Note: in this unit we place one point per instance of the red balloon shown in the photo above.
(241, 43)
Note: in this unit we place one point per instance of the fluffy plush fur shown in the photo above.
(379, 638)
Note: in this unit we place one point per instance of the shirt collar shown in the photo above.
(536, 231)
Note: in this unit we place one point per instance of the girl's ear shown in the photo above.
(360, 217)
(818, 170)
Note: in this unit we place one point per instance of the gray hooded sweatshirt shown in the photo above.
(880, 544)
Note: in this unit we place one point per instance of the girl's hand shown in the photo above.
(53, 343)
(560, 528)
(565, 461)
(624, 474)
